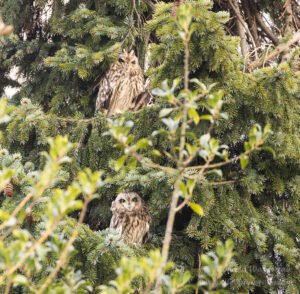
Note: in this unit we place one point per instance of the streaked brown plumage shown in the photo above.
(122, 84)
(131, 217)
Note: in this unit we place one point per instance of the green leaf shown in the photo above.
(206, 117)
(244, 160)
(267, 148)
(142, 144)
(155, 152)
(20, 280)
(186, 277)
(120, 162)
(165, 111)
(214, 99)
(4, 216)
(132, 163)
(190, 185)
(204, 139)
(197, 208)
(214, 145)
(183, 189)
(193, 114)
(171, 123)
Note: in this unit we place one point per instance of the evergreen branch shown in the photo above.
(279, 49)
(31, 250)
(63, 256)
(18, 208)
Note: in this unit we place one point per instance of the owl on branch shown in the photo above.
(122, 87)
(130, 217)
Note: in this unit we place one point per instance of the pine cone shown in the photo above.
(9, 190)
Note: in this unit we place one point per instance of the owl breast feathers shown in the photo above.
(121, 86)
(131, 218)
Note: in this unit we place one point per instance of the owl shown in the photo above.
(130, 217)
(121, 87)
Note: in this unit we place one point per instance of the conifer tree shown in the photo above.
(249, 48)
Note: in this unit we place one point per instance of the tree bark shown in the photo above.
(288, 20)
(249, 10)
(279, 49)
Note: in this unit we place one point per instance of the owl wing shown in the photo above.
(146, 236)
(148, 220)
(114, 222)
(104, 93)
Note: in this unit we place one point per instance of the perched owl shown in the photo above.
(121, 87)
(130, 217)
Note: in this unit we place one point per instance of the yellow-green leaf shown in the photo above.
(197, 208)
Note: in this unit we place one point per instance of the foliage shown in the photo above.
(61, 58)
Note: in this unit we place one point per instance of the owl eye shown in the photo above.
(133, 62)
(122, 200)
(121, 60)
(134, 199)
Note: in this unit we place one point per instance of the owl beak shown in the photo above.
(126, 66)
(130, 207)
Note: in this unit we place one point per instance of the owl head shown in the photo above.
(128, 61)
(127, 202)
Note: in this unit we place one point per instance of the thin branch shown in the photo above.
(288, 20)
(240, 18)
(267, 31)
(249, 9)
(168, 233)
(31, 250)
(243, 38)
(279, 49)
(145, 161)
(175, 196)
(63, 256)
(220, 183)
(18, 209)
(219, 164)
(186, 201)
(181, 205)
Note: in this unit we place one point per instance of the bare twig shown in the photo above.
(240, 18)
(249, 8)
(279, 49)
(268, 32)
(175, 195)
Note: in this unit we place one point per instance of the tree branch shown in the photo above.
(279, 49)
(243, 38)
(267, 31)
(63, 256)
(240, 18)
(288, 20)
